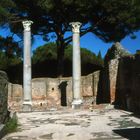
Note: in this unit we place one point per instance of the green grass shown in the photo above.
(11, 125)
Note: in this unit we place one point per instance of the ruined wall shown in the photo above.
(108, 76)
(113, 71)
(3, 96)
(54, 92)
(136, 85)
(119, 81)
(14, 96)
(128, 83)
(89, 87)
(107, 82)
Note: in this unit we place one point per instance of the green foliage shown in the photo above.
(6, 61)
(3, 61)
(68, 53)
(45, 61)
(86, 56)
(10, 53)
(10, 47)
(138, 52)
(100, 59)
(110, 20)
(46, 52)
(115, 19)
(99, 55)
(11, 125)
(5, 9)
(49, 52)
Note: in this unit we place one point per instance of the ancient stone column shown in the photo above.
(27, 101)
(76, 73)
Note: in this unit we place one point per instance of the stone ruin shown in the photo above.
(128, 83)
(117, 83)
(119, 80)
(53, 93)
(108, 76)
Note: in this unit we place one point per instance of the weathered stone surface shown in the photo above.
(87, 86)
(95, 81)
(54, 92)
(115, 52)
(67, 124)
(113, 71)
(3, 96)
(15, 95)
(128, 81)
(76, 65)
(119, 80)
(38, 89)
(109, 74)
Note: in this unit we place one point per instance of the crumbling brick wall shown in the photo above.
(54, 92)
(108, 75)
(119, 81)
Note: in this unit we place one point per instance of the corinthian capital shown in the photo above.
(75, 27)
(27, 25)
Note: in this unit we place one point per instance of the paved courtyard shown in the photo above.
(100, 124)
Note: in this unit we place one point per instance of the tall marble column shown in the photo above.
(27, 98)
(76, 73)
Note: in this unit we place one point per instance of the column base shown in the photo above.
(27, 106)
(76, 104)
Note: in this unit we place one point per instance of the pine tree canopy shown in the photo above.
(6, 7)
(110, 20)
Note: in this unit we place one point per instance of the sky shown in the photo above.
(94, 44)
(89, 41)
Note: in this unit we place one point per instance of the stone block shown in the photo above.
(38, 89)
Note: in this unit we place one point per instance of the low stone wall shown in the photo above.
(15, 94)
(54, 92)
(3, 96)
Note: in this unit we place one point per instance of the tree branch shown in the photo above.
(84, 31)
(69, 39)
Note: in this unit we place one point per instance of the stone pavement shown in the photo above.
(100, 124)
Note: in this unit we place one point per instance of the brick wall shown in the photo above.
(53, 92)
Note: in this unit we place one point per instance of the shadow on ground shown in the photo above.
(130, 133)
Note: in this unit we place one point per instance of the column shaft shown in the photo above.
(76, 74)
(27, 87)
(76, 67)
(27, 66)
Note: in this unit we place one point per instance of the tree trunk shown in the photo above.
(60, 58)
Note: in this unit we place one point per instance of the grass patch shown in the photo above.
(11, 125)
